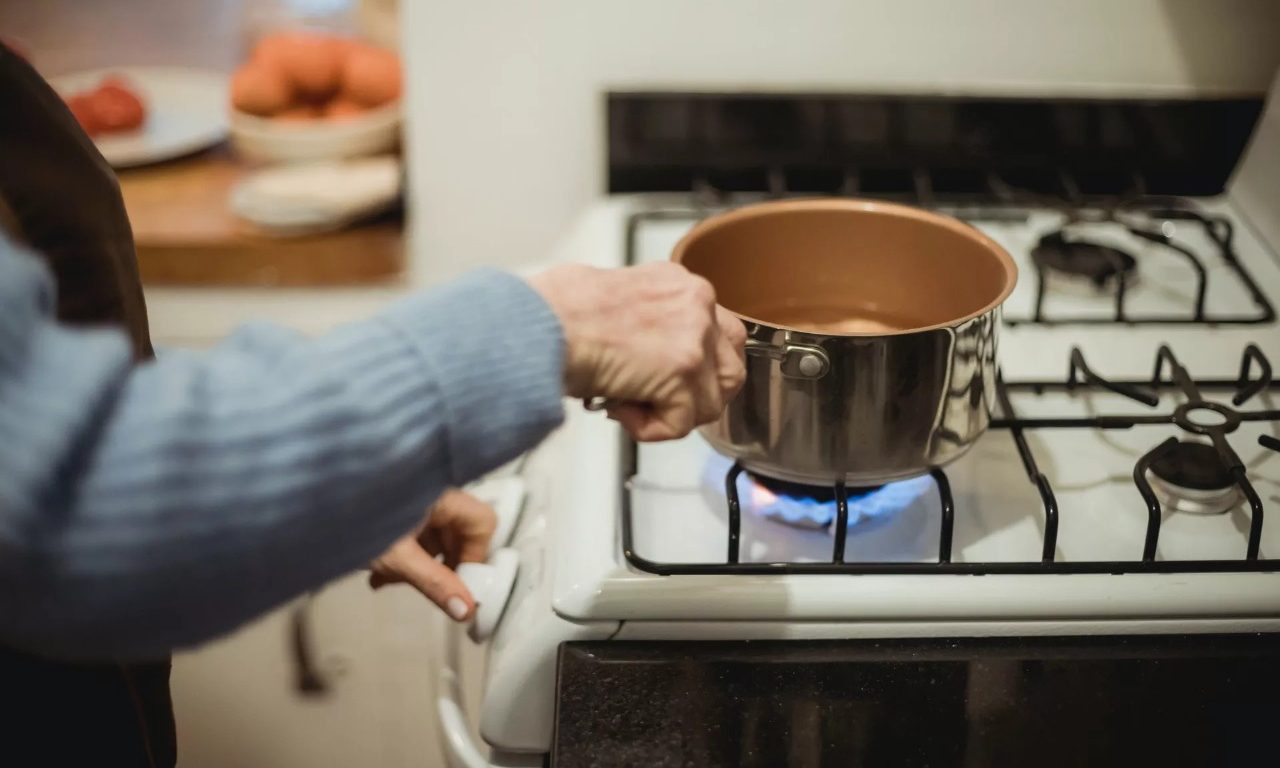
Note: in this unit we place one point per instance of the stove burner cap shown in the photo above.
(1080, 258)
(1193, 465)
(1191, 477)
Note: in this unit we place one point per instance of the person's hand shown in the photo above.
(458, 527)
(651, 340)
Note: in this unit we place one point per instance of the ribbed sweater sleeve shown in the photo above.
(152, 507)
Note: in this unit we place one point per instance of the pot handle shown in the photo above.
(797, 361)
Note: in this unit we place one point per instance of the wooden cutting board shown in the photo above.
(187, 235)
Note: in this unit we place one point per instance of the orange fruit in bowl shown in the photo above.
(371, 76)
(312, 62)
(260, 88)
(343, 109)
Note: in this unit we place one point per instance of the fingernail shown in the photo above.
(457, 608)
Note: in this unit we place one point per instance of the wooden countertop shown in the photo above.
(186, 234)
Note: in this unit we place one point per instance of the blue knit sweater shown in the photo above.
(151, 507)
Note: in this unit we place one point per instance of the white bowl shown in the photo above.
(293, 141)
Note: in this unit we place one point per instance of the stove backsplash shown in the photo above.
(920, 147)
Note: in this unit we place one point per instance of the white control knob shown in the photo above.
(490, 584)
(506, 495)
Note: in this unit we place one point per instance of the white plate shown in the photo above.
(186, 112)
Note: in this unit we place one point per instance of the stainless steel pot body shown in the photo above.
(870, 409)
(896, 381)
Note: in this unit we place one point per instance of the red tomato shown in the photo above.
(82, 109)
(116, 107)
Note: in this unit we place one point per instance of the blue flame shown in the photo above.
(865, 506)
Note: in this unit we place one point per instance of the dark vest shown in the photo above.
(59, 197)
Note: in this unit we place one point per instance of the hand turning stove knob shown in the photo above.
(506, 495)
(490, 584)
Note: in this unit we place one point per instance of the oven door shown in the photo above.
(1095, 701)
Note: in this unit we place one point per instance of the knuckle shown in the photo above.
(702, 321)
(702, 290)
(688, 359)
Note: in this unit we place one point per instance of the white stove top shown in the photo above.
(680, 514)
(999, 514)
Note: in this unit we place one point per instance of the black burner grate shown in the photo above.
(708, 197)
(1227, 420)
(1219, 230)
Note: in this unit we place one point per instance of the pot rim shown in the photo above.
(861, 205)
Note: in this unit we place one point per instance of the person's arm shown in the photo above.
(147, 508)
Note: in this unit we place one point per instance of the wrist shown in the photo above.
(568, 291)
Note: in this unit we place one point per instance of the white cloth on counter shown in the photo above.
(314, 197)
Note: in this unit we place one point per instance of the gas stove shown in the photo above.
(1134, 434)
(1085, 435)
(1124, 496)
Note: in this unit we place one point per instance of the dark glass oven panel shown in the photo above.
(1099, 701)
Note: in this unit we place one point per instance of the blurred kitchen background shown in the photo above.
(503, 145)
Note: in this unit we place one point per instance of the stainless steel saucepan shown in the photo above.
(872, 336)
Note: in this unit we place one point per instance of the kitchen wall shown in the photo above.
(72, 35)
(506, 146)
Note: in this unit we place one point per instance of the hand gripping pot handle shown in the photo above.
(797, 361)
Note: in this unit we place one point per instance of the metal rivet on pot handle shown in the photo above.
(810, 365)
(797, 361)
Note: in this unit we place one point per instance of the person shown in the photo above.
(152, 504)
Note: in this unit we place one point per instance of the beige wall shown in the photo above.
(67, 35)
(506, 145)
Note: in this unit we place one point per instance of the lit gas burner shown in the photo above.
(1192, 478)
(1083, 261)
(814, 507)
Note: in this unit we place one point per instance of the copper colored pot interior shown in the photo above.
(848, 267)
